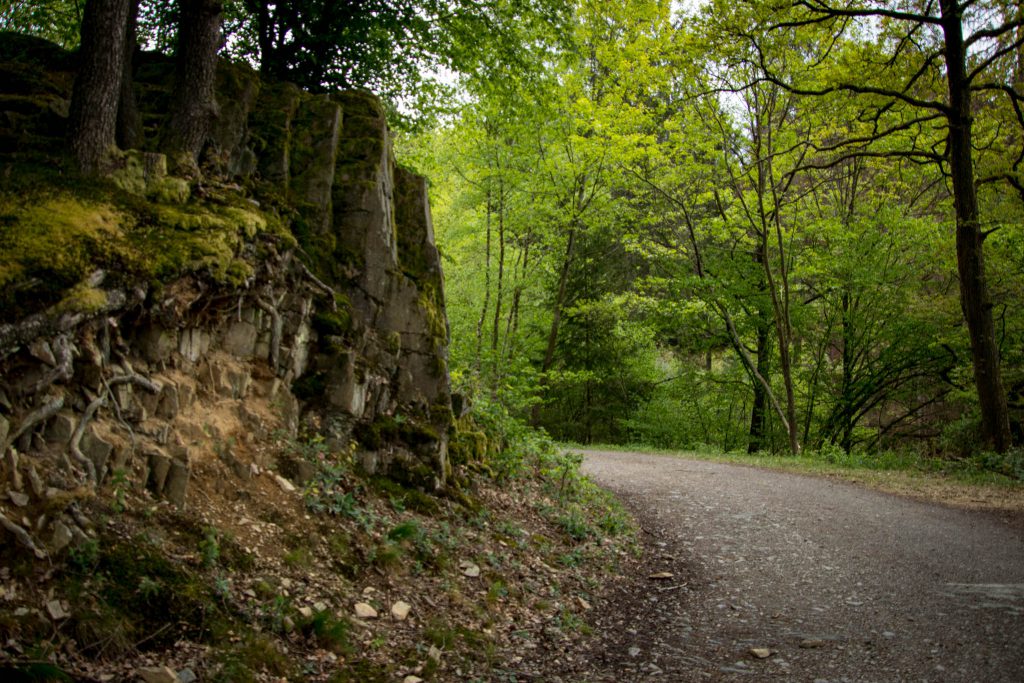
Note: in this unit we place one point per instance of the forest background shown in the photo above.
(775, 225)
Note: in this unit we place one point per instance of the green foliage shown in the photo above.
(209, 547)
(331, 633)
(1009, 464)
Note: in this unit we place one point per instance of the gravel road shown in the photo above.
(777, 576)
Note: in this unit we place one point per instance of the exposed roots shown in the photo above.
(63, 353)
(319, 284)
(276, 330)
(35, 417)
(76, 437)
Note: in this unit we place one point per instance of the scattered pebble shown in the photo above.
(365, 611)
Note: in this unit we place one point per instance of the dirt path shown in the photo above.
(836, 582)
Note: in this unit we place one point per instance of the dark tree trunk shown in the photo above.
(846, 393)
(129, 121)
(92, 121)
(759, 410)
(264, 37)
(193, 106)
(500, 284)
(487, 288)
(974, 295)
(556, 318)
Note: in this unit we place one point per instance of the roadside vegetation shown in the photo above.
(346, 578)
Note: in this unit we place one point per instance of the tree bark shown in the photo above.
(974, 295)
(129, 121)
(487, 286)
(193, 105)
(759, 409)
(556, 317)
(92, 121)
(500, 284)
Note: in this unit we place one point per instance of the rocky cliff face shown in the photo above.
(156, 329)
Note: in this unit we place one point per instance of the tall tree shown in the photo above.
(920, 44)
(92, 122)
(193, 104)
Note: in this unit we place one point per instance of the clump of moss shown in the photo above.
(467, 446)
(431, 302)
(333, 323)
(49, 244)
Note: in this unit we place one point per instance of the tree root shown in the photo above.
(319, 284)
(76, 438)
(22, 536)
(276, 331)
(32, 419)
(138, 380)
(13, 336)
(62, 348)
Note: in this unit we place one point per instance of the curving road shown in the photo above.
(777, 576)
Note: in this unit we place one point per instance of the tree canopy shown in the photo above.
(764, 225)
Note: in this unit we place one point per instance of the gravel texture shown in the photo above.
(752, 575)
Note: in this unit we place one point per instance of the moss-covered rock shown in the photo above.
(281, 169)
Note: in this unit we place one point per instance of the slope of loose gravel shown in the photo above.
(836, 582)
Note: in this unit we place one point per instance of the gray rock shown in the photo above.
(344, 389)
(40, 350)
(313, 153)
(176, 485)
(96, 449)
(60, 538)
(169, 404)
(156, 344)
(239, 380)
(193, 344)
(60, 428)
(159, 466)
(18, 498)
(56, 610)
(240, 339)
(187, 676)
(237, 89)
(298, 470)
(240, 469)
(275, 108)
(158, 674)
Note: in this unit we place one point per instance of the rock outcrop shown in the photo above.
(154, 327)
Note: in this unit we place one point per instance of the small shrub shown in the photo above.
(209, 547)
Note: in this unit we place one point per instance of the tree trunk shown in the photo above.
(974, 295)
(556, 317)
(193, 106)
(92, 121)
(845, 394)
(129, 121)
(556, 314)
(759, 410)
(487, 286)
(500, 284)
